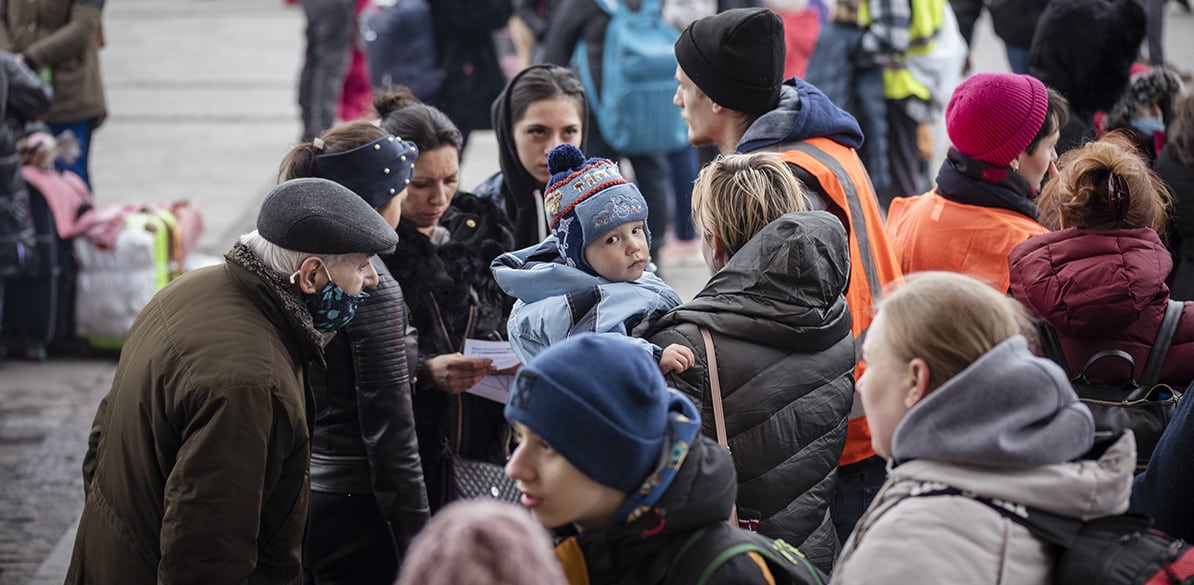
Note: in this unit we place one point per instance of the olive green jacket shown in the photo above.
(196, 466)
(63, 35)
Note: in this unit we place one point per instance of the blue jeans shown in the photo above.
(684, 167)
(82, 130)
(1017, 59)
(856, 89)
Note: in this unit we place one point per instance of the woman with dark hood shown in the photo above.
(541, 108)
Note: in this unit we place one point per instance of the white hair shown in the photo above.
(277, 258)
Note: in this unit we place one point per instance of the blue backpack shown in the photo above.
(634, 110)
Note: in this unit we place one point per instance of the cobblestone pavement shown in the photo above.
(42, 427)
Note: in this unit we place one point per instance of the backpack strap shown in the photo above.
(722, 542)
(1049, 527)
(1156, 355)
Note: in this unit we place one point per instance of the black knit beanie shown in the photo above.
(736, 57)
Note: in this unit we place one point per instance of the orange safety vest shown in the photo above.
(872, 263)
(930, 232)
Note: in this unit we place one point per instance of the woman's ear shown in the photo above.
(720, 255)
(308, 275)
(919, 371)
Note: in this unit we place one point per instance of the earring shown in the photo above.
(1015, 166)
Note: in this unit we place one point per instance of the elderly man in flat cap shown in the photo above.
(196, 467)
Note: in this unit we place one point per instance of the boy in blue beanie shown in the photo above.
(590, 274)
(607, 449)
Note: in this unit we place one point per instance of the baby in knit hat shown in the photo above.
(590, 274)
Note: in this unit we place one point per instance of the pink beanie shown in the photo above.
(993, 117)
(481, 542)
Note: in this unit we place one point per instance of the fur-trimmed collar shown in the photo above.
(281, 289)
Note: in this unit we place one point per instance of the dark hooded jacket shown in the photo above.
(1090, 69)
(785, 357)
(1180, 178)
(1103, 289)
(467, 54)
(513, 189)
(640, 552)
(364, 440)
(452, 296)
(803, 112)
(23, 98)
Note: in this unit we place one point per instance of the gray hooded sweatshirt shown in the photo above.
(1008, 427)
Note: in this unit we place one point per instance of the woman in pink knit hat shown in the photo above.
(1004, 128)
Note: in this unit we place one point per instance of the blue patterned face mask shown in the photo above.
(331, 308)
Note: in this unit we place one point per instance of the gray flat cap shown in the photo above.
(319, 216)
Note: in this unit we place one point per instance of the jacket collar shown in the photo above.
(969, 181)
(277, 299)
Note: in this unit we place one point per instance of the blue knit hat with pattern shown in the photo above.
(600, 401)
(585, 199)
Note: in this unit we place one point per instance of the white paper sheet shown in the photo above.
(500, 352)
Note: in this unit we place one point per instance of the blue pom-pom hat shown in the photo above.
(587, 198)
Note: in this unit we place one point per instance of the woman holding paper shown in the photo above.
(446, 242)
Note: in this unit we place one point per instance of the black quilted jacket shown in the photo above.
(364, 439)
(785, 356)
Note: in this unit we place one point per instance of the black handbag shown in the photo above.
(473, 478)
(1145, 407)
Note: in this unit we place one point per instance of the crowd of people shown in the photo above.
(307, 410)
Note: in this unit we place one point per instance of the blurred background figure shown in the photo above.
(356, 95)
(1090, 69)
(464, 45)
(325, 63)
(1144, 108)
(60, 40)
(1175, 166)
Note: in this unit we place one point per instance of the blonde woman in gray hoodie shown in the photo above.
(955, 398)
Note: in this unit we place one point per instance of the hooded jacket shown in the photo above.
(640, 552)
(1103, 289)
(1007, 427)
(556, 300)
(818, 140)
(196, 465)
(23, 98)
(513, 190)
(785, 357)
(1090, 69)
(364, 440)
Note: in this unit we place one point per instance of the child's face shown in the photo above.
(619, 255)
(556, 492)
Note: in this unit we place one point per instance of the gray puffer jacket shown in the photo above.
(785, 357)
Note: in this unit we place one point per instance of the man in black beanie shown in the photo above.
(196, 465)
(732, 94)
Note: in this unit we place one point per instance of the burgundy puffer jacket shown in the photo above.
(1103, 289)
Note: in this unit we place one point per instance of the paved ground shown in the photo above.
(201, 107)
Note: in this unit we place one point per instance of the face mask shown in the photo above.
(1148, 126)
(331, 308)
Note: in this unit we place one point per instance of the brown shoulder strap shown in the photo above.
(719, 417)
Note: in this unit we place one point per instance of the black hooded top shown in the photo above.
(512, 189)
